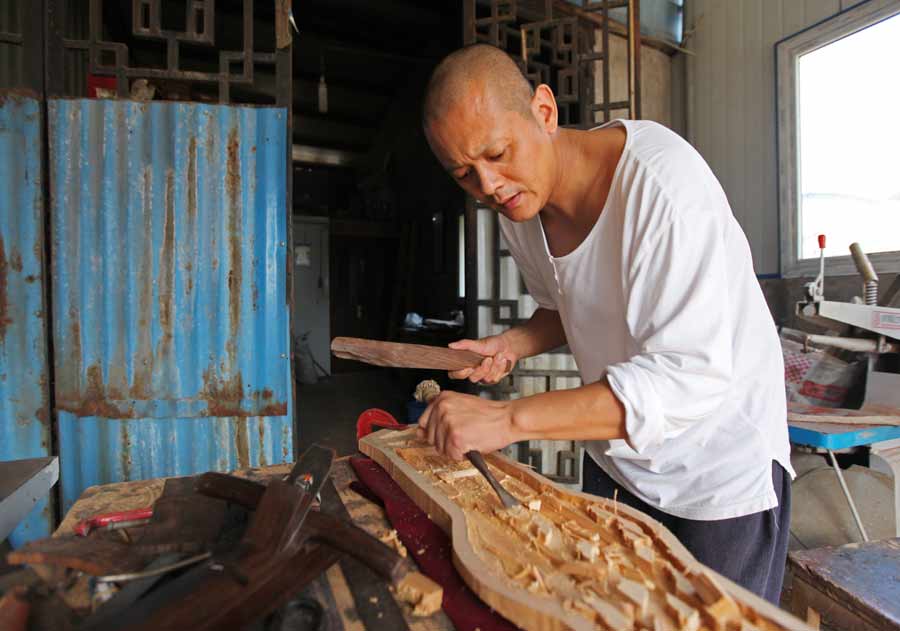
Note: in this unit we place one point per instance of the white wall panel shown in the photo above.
(731, 102)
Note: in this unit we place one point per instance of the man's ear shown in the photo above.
(543, 106)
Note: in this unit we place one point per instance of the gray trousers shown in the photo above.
(750, 550)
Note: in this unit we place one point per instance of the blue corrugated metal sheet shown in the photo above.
(24, 412)
(169, 285)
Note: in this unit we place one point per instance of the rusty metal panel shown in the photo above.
(169, 281)
(24, 411)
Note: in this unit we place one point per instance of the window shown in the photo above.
(839, 140)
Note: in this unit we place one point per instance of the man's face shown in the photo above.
(498, 156)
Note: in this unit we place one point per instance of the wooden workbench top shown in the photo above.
(854, 586)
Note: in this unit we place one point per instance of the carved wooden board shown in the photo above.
(567, 559)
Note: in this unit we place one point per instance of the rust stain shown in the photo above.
(241, 443)
(74, 360)
(191, 208)
(5, 320)
(96, 400)
(224, 396)
(143, 358)
(262, 442)
(235, 254)
(273, 409)
(15, 261)
(30, 278)
(17, 95)
(125, 453)
(166, 271)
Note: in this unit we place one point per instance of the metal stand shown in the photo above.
(840, 477)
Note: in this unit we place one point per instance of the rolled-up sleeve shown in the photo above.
(677, 311)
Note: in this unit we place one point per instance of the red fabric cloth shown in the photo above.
(428, 546)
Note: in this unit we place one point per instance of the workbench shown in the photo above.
(351, 595)
(856, 586)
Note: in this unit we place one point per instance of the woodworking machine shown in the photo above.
(878, 329)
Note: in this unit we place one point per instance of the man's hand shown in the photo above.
(498, 363)
(456, 423)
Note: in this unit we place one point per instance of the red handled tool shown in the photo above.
(374, 419)
(114, 521)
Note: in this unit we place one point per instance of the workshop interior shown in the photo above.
(231, 268)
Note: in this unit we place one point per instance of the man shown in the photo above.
(626, 241)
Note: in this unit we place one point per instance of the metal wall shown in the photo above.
(730, 93)
(24, 408)
(171, 333)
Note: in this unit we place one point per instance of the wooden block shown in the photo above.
(636, 593)
(721, 613)
(688, 618)
(421, 592)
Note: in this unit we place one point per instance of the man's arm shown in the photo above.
(543, 332)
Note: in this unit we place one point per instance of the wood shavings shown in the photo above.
(611, 616)
(391, 539)
(534, 504)
(420, 591)
(587, 550)
(451, 476)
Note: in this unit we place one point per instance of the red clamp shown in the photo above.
(374, 419)
(112, 521)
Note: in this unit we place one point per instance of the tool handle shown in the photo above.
(863, 264)
(398, 355)
(84, 528)
(240, 491)
(356, 542)
(14, 610)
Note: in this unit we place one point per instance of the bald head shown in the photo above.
(473, 69)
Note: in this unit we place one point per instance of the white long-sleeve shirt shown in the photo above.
(662, 299)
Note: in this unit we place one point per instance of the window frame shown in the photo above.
(787, 53)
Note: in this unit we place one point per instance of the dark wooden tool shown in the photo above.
(398, 355)
(286, 545)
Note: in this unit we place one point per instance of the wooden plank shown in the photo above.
(561, 564)
(398, 355)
